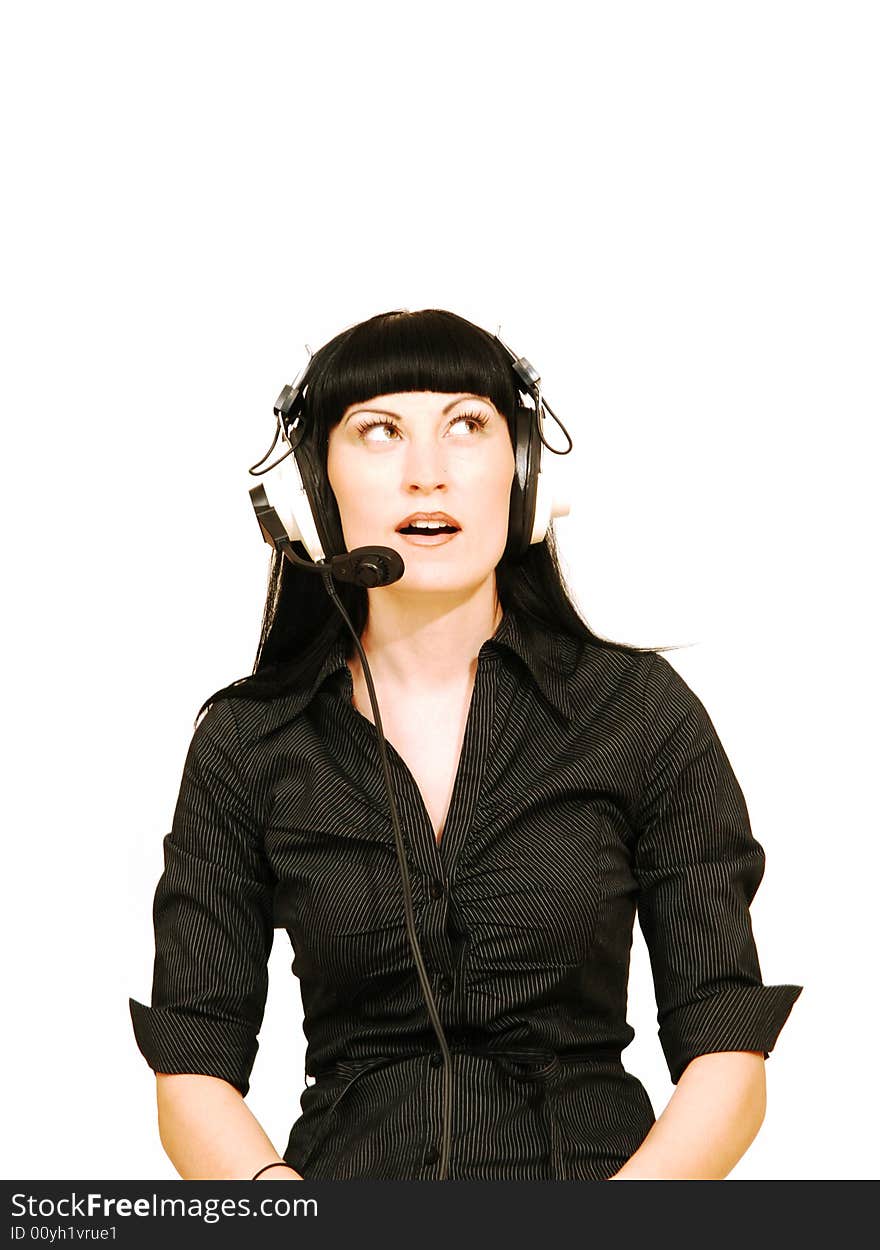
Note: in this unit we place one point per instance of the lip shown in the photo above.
(443, 517)
(427, 540)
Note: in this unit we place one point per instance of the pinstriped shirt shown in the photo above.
(592, 789)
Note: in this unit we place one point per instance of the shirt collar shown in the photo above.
(548, 657)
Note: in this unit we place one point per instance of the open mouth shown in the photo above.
(428, 532)
(439, 537)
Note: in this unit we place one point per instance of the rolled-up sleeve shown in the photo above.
(698, 868)
(212, 917)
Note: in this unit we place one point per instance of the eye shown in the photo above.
(475, 418)
(375, 425)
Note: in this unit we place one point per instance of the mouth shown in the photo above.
(428, 529)
(431, 538)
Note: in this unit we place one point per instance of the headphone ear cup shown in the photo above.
(283, 507)
(524, 488)
(323, 509)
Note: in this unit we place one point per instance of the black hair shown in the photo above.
(427, 350)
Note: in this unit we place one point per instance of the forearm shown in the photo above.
(711, 1120)
(209, 1132)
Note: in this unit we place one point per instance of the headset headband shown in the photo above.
(288, 406)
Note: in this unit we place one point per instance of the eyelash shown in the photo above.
(476, 417)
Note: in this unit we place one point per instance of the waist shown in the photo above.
(535, 1059)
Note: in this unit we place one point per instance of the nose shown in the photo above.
(425, 468)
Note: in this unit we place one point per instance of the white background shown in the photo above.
(672, 210)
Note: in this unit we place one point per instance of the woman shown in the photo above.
(552, 785)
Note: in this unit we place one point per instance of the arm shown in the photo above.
(213, 918)
(698, 867)
(209, 1133)
(709, 1123)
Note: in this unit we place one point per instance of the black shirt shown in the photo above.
(591, 784)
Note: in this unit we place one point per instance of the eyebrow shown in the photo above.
(385, 413)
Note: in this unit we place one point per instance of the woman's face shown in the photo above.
(425, 451)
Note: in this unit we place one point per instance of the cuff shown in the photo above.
(178, 1041)
(742, 1017)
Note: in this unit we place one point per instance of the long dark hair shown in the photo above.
(428, 350)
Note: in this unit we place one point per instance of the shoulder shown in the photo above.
(226, 737)
(244, 720)
(644, 683)
(613, 680)
(670, 703)
(641, 695)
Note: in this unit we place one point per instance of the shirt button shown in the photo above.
(431, 1155)
(436, 887)
(436, 1059)
(444, 983)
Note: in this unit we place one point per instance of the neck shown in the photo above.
(417, 645)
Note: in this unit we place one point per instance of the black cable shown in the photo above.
(327, 578)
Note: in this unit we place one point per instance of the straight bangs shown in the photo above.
(429, 350)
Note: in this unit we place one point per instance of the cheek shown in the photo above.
(493, 491)
(332, 469)
(502, 475)
(350, 467)
(349, 483)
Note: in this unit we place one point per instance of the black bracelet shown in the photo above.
(278, 1164)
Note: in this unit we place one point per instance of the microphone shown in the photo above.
(365, 566)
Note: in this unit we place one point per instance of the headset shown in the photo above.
(294, 503)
